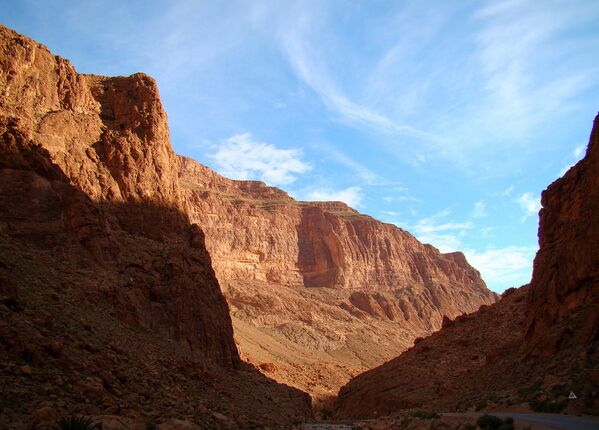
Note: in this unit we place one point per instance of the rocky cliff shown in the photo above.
(317, 290)
(563, 304)
(315, 244)
(532, 348)
(106, 142)
(108, 297)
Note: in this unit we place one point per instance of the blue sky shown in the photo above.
(445, 118)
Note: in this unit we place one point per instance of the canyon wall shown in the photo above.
(338, 291)
(534, 347)
(259, 232)
(108, 299)
(106, 142)
(563, 304)
(456, 368)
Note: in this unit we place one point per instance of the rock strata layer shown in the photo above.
(317, 290)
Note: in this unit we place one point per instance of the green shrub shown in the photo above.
(506, 426)
(480, 405)
(530, 391)
(547, 406)
(489, 422)
(77, 423)
(150, 424)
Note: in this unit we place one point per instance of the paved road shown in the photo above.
(561, 422)
(558, 422)
(326, 426)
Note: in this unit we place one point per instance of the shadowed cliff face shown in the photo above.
(107, 294)
(107, 138)
(320, 257)
(317, 290)
(537, 345)
(563, 304)
(157, 287)
(456, 367)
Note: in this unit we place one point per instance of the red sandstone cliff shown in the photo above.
(563, 304)
(486, 359)
(105, 141)
(259, 232)
(108, 300)
(317, 290)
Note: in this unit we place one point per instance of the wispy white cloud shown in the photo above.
(578, 152)
(479, 210)
(530, 204)
(577, 155)
(520, 50)
(502, 268)
(487, 232)
(352, 196)
(441, 232)
(507, 192)
(308, 64)
(242, 157)
(402, 194)
(363, 172)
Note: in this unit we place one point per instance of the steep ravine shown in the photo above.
(110, 302)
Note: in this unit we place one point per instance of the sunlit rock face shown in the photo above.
(108, 140)
(327, 290)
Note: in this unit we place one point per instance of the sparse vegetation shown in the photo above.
(75, 422)
(480, 405)
(547, 406)
(491, 422)
(531, 390)
(427, 415)
(150, 424)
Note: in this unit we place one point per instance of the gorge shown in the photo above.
(144, 289)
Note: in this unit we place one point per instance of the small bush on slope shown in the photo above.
(77, 423)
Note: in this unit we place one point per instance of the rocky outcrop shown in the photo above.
(319, 279)
(98, 258)
(456, 366)
(563, 304)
